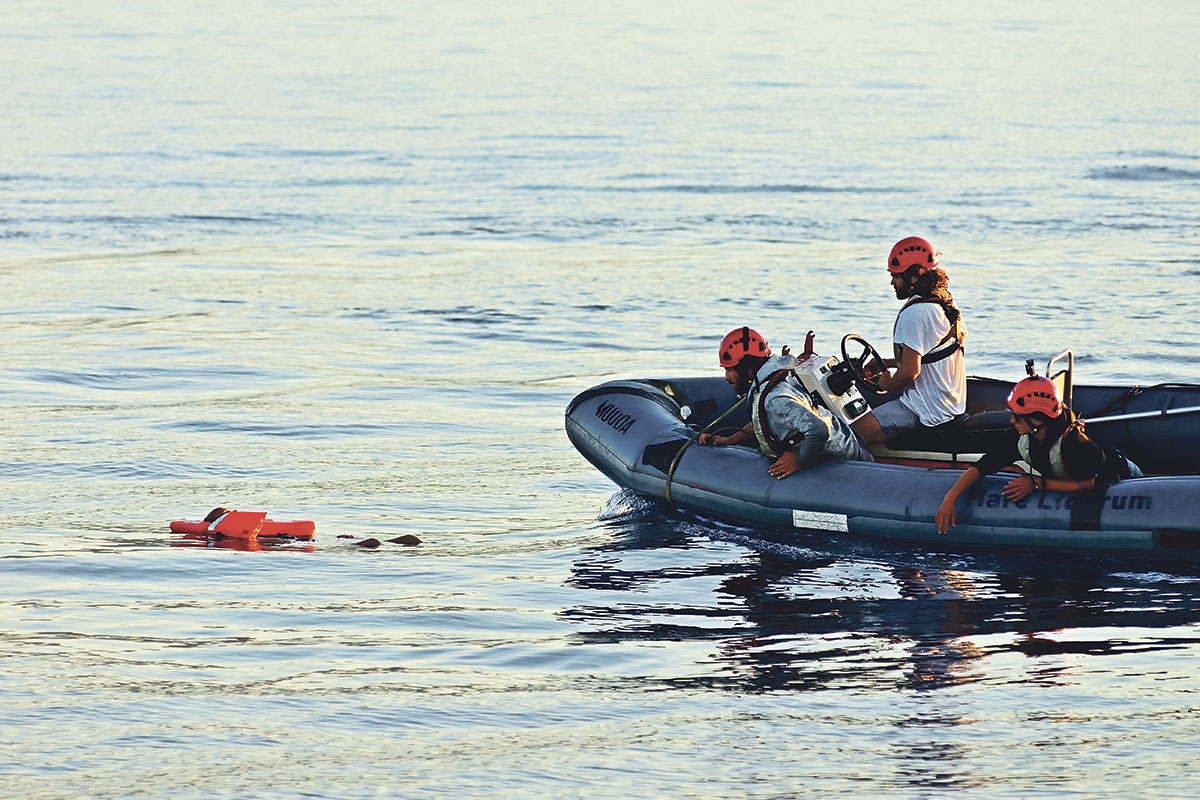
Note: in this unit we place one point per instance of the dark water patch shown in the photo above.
(476, 229)
(475, 315)
(213, 218)
(278, 429)
(553, 137)
(369, 313)
(322, 183)
(157, 469)
(116, 379)
(888, 85)
(264, 152)
(1144, 173)
(704, 189)
(117, 155)
(150, 222)
(474, 219)
(1165, 154)
(16, 177)
(142, 469)
(771, 84)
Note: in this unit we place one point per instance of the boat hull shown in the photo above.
(641, 435)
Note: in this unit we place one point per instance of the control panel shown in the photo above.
(842, 397)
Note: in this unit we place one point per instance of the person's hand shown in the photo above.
(872, 369)
(712, 438)
(946, 516)
(1019, 488)
(785, 465)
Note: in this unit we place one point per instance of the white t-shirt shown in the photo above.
(939, 392)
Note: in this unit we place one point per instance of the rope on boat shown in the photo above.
(706, 429)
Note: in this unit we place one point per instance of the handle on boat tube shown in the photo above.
(707, 428)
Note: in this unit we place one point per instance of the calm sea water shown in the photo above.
(349, 264)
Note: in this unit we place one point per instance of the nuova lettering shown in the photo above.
(1054, 502)
(614, 416)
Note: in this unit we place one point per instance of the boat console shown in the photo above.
(839, 385)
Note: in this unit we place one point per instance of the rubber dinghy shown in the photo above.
(641, 434)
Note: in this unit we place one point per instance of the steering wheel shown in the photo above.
(858, 366)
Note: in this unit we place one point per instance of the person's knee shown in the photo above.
(868, 428)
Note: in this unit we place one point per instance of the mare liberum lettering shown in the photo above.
(1047, 502)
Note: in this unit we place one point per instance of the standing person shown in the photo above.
(1047, 436)
(929, 370)
(790, 429)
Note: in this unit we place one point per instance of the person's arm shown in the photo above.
(946, 515)
(1003, 453)
(907, 370)
(806, 430)
(1081, 455)
(1022, 486)
(743, 436)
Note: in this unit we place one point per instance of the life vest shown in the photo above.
(949, 344)
(1056, 462)
(1114, 464)
(768, 443)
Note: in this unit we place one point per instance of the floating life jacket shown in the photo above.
(950, 344)
(223, 522)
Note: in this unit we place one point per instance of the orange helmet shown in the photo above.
(1036, 394)
(910, 252)
(742, 342)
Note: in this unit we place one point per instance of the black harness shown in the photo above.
(776, 444)
(953, 337)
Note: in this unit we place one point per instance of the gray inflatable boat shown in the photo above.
(641, 434)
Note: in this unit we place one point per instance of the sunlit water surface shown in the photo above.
(349, 264)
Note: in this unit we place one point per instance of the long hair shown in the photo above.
(936, 283)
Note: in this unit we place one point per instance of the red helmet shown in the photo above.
(1036, 394)
(910, 252)
(742, 342)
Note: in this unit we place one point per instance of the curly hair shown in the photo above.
(935, 283)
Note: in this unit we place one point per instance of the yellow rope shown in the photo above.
(707, 428)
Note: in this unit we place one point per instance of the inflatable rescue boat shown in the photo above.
(642, 435)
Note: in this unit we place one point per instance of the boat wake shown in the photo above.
(751, 540)
(628, 506)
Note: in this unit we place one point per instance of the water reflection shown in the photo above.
(797, 612)
(254, 545)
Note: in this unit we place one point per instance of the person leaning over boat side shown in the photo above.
(1047, 436)
(790, 429)
(928, 336)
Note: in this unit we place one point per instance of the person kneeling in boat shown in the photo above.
(790, 430)
(1047, 436)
